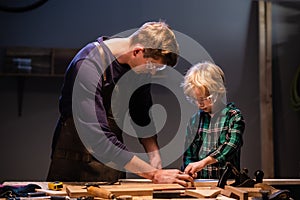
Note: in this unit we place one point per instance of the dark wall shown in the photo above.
(286, 66)
(227, 30)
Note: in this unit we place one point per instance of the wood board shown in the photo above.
(243, 193)
(123, 189)
(203, 193)
(53, 192)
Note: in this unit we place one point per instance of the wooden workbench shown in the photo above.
(142, 189)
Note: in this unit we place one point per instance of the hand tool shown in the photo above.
(56, 185)
(243, 180)
(97, 191)
(36, 194)
(270, 193)
(124, 197)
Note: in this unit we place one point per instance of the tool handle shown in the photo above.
(226, 174)
(100, 192)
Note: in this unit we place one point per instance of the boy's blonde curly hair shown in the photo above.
(207, 77)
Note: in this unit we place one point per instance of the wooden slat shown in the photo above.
(124, 189)
(241, 194)
(287, 182)
(203, 193)
(28, 51)
(265, 86)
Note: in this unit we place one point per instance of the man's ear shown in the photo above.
(137, 49)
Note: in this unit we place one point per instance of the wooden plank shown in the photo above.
(252, 192)
(135, 180)
(28, 51)
(265, 86)
(203, 193)
(75, 191)
(242, 192)
(204, 183)
(140, 189)
(53, 192)
(275, 182)
(222, 197)
(124, 189)
(238, 192)
(146, 191)
(219, 197)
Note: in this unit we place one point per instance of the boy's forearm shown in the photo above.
(209, 160)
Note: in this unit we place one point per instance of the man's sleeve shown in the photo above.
(90, 117)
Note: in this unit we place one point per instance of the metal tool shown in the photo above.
(243, 180)
(279, 195)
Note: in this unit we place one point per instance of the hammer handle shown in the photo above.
(100, 192)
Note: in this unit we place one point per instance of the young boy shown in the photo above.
(214, 133)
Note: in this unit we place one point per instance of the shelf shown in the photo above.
(36, 62)
(32, 75)
(31, 62)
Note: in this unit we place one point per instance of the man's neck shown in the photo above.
(119, 48)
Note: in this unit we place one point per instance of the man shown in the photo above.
(88, 136)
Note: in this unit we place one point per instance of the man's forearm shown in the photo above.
(151, 147)
(140, 167)
(150, 144)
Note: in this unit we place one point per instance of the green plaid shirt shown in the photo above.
(219, 137)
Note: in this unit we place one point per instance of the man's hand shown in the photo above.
(143, 169)
(172, 176)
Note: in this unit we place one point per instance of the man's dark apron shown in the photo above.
(72, 162)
